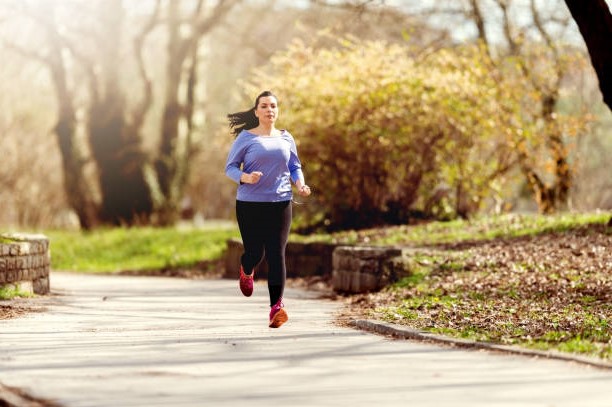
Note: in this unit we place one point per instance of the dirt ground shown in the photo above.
(14, 309)
(18, 307)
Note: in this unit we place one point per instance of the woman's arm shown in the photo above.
(295, 168)
(234, 162)
(302, 188)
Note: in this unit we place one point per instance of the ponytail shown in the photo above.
(246, 120)
(242, 121)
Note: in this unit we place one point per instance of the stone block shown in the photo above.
(38, 248)
(359, 269)
(23, 248)
(346, 281)
(368, 252)
(370, 266)
(233, 254)
(302, 260)
(24, 260)
(309, 259)
(24, 286)
(37, 261)
(41, 285)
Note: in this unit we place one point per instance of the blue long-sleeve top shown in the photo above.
(275, 156)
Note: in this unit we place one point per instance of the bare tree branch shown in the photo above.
(508, 29)
(537, 20)
(350, 5)
(53, 59)
(87, 64)
(479, 21)
(203, 25)
(515, 43)
(147, 99)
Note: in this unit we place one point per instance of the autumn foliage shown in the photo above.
(387, 132)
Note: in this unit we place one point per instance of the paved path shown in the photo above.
(144, 341)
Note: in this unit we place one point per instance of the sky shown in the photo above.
(520, 13)
(462, 30)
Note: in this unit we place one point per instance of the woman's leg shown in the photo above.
(249, 216)
(275, 242)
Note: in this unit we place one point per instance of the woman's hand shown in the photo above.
(304, 190)
(252, 178)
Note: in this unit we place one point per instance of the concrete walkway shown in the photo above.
(144, 341)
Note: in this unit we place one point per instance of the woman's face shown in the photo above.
(267, 110)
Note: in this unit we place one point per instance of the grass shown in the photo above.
(6, 240)
(9, 292)
(133, 249)
(483, 228)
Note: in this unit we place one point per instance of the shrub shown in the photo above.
(385, 132)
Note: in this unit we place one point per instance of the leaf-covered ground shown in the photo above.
(552, 290)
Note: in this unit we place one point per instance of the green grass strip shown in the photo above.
(146, 248)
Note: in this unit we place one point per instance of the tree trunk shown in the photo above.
(126, 199)
(558, 151)
(176, 145)
(170, 145)
(595, 23)
(79, 191)
(549, 198)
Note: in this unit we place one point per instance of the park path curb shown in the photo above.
(398, 331)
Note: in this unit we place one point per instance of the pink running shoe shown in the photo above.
(278, 316)
(246, 282)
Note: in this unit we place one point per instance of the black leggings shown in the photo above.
(264, 227)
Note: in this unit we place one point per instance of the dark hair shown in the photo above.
(246, 120)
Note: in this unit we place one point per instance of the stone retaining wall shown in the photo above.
(302, 260)
(24, 262)
(360, 269)
(351, 269)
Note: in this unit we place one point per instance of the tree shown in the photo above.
(109, 176)
(29, 173)
(383, 128)
(595, 24)
(544, 64)
(253, 43)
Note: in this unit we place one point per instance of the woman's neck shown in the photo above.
(265, 130)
